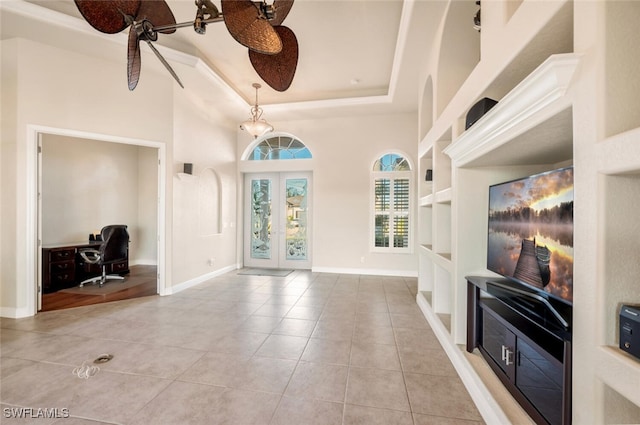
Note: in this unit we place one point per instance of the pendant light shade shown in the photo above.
(255, 125)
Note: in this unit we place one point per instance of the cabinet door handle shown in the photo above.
(507, 355)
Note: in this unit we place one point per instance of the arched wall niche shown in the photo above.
(426, 108)
(209, 203)
(459, 51)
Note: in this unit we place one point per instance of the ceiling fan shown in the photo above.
(257, 25)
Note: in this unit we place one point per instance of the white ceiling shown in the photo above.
(356, 56)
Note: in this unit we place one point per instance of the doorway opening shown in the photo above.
(83, 182)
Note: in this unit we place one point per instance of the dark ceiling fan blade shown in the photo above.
(243, 21)
(278, 70)
(108, 16)
(282, 8)
(165, 63)
(158, 13)
(133, 59)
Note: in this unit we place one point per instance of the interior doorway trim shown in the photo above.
(32, 263)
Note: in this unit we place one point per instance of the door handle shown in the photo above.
(507, 355)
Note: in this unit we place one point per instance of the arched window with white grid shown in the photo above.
(279, 147)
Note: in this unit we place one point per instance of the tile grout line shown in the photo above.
(284, 391)
(353, 333)
(404, 379)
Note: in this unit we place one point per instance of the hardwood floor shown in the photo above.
(140, 282)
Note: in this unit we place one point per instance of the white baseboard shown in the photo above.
(371, 272)
(143, 262)
(15, 313)
(197, 280)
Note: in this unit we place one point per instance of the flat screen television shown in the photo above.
(530, 237)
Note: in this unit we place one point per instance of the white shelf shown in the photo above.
(445, 256)
(427, 248)
(446, 320)
(619, 371)
(443, 259)
(537, 105)
(443, 196)
(424, 148)
(426, 295)
(426, 201)
(620, 154)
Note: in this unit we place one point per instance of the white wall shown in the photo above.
(87, 184)
(50, 87)
(8, 194)
(146, 241)
(208, 141)
(344, 150)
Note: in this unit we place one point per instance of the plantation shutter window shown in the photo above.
(391, 204)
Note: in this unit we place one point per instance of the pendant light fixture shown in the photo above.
(256, 126)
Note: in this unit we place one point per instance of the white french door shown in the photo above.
(277, 224)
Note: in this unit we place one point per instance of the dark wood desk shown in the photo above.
(63, 267)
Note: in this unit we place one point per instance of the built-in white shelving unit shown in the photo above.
(494, 149)
(530, 130)
(565, 78)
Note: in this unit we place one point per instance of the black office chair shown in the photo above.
(114, 249)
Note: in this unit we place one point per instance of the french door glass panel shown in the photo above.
(278, 221)
(297, 209)
(261, 218)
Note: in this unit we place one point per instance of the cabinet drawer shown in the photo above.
(62, 267)
(61, 254)
(64, 277)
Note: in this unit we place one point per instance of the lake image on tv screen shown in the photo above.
(531, 231)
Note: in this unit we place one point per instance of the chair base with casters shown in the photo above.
(102, 279)
(92, 256)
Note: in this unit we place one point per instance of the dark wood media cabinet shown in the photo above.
(63, 267)
(526, 340)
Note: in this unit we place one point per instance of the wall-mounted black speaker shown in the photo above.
(188, 168)
(429, 176)
(478, 110)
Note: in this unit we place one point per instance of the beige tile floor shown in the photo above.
(305, 349)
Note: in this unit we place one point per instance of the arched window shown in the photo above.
(391, 210)
(391, 162)
(279, 147)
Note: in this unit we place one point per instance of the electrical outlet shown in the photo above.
(211, 261)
